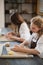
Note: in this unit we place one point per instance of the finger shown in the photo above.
(12, 49)
(16, 46)
(38, 52)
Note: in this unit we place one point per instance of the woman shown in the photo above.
(36, 27)
(17, 19)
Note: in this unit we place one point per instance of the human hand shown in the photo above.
(16, 48)
(21, 45)
(8, 35)
(36, 52)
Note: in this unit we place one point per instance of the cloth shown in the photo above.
(24, 31)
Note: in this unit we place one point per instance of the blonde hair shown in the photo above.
(39, 22)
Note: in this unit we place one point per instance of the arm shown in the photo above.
(13, 33)
(10, 36)
(25, 50)
(25, 43)
(17, 38)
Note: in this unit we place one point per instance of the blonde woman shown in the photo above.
(36, 27)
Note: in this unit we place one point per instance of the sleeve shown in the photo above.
(24, 32)
(40, 46)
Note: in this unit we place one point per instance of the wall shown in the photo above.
(2, 17)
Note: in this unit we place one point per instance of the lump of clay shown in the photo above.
(7, 44)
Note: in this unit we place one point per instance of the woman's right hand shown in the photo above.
(35, 52)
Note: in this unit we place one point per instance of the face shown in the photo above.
(34, 28)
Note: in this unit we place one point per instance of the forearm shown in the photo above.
(31, 51)
(24, 43)
(25, 50)
(28, 51)
(14, 33)
(17, 39)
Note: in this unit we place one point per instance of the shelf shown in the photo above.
(20, 2)
(10, 1)
(27, 8)
(7, 12)
(28, 13)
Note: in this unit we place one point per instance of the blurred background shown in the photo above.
(27, 8)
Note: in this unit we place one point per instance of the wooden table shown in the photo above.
(20, 61)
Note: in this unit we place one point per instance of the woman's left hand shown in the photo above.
(16, 48)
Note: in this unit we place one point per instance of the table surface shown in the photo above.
(7, 53)
(4, 40)
(20, 61)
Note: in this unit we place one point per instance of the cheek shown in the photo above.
(37, 29)
(33, 29)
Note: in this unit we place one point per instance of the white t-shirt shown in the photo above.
(39, 46)
(24, 31)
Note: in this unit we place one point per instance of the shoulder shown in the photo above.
(39, 46)
(40, 39)
(24, 24)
